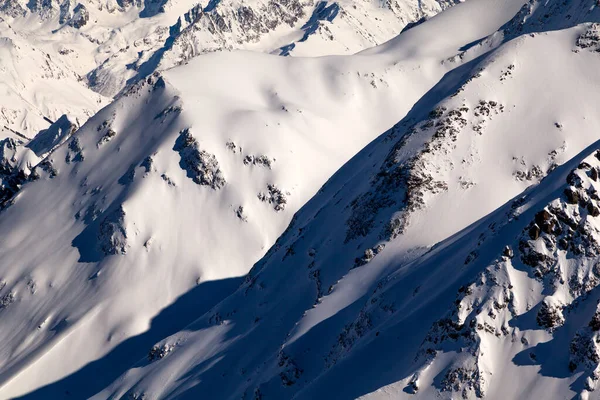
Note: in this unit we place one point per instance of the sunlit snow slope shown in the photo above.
(146, 217)
(453, 257)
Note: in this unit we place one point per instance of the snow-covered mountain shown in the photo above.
(453, 256)
(37, 87)
(103, 46)
(180, 182)
(419, 220)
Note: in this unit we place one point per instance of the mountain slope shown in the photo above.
(453, 256)
(179, 185)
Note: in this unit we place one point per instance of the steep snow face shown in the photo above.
(454, 256)
(179, 186)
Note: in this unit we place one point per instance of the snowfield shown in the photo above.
(417, 220)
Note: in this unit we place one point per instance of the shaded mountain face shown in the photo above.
(240, 227)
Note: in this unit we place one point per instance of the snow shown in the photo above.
(124, 41)
(181, 234)
(30, 80)
(334, 334)
(248, 225)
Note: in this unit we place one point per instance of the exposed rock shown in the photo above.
(12, 8)
(7, 300)
(233, 147)
(168, 111)
(487, 108)
(404, 181)
(562, 230)
(464, 381)
(590, 39)
(12, 175)
(550, 315)
(322, 12)
(148, 164)
(595, 322)
(413, 387)
(158, 352)
(45, 166)
(168, 180)
(535, 173)
(290, 372)
(112, 236)
(585, 353)
(534, 232)
(507, 73)
(572, 195)
(80, 16)
(239, 212)
(201, 167)
(261, 160)
(593, 210)
(584, 165)
(348, 337)
(8, 155)
(274, 196)
(75, 152)
(367, 257)
(107, 137)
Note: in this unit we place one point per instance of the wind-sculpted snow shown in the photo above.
(76, 49)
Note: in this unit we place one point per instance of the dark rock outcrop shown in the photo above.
(201, 166)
